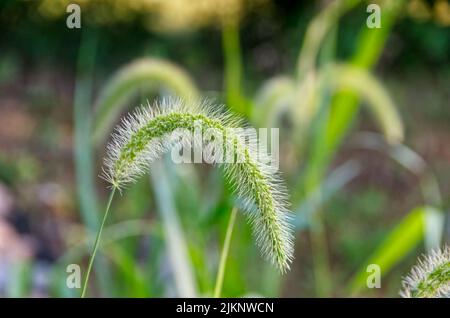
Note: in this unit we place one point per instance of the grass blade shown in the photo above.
(174, 236)
(398, 243)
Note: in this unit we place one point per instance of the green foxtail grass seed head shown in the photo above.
(145, 135)
(430, 278)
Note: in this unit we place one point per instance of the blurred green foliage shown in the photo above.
(355, 216)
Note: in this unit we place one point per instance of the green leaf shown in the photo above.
(393, 249)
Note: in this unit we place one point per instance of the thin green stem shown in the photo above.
(224, 255)
(97, 241)
(83, 152)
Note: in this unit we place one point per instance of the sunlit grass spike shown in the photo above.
(430, 278)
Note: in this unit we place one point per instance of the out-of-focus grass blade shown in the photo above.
(174, 237)
(345, 104)
(337, 179)
(408, 159)
(135, 284)
(233, 69)
(317, 31)
(82, 149)
(19, 280)
(343, 77)
(111, 234)
(434, 228)
(360, 81)
(298, 93)
(414, 163)
(392, 250)
(83, 158)
(127, 81)
(275, 97)
(282, 93)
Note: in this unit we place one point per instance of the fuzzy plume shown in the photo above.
(430, 278)
(146, 135)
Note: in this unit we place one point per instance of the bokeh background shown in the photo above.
(364, 120)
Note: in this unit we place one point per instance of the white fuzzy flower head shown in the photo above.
(430, 278)
(145, 136)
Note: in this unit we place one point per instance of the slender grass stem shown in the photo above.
(83, 152)
(97, 241)
(175, 239)
(224, 254)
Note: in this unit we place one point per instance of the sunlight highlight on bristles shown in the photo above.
(430, 278)
(145, 135)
